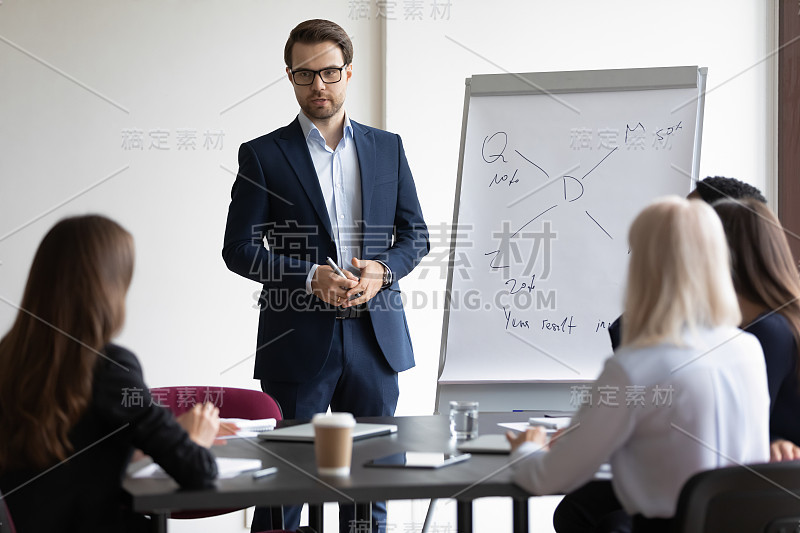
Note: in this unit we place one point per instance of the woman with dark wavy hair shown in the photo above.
(68, 424)
(768, 288)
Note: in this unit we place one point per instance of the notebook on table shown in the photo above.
(248, 428)
(305, 432)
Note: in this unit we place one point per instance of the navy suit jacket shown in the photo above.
(277, 196)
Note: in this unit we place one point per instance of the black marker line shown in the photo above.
(598, 164)
(531, 220)
(599, 226)
(583, 189)
(628, 129)
(491, 263)
(532, 163)
(496, 156)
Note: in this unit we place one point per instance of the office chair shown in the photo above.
(232, 403)
(6, 524)
(762, 498)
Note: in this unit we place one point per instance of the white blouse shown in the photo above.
(659, 415)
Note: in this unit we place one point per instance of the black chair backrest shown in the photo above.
(753, 498)
(6, 525)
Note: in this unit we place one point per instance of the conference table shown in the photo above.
(297, 482)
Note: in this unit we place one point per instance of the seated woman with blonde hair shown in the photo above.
(689, 388)
(66, 429)
(768, 287)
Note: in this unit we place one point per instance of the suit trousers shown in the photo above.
(356, 379)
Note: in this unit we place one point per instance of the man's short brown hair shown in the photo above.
(317, 31)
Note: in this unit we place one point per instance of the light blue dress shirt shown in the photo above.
(340, 180)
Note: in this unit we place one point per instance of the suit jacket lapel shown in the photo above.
(365, 146)
(294, 146)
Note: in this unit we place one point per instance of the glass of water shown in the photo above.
(463, 420)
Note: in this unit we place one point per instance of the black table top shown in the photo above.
(297, 480)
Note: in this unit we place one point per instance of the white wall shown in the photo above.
(172, 65)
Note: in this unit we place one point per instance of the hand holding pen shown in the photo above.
(339, 271)
(330, 284)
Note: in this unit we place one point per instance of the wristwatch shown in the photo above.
(387, 276)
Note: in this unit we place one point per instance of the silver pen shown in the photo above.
(338, 270)
(264, 472)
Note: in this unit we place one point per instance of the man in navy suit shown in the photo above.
(326, 186)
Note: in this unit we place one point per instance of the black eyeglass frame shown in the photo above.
(317, 73)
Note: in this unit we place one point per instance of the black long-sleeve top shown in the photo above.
(83, 493)
(780, 353)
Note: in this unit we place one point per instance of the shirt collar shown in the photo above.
(310, 131)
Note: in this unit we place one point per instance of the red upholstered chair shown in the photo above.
(232, 403)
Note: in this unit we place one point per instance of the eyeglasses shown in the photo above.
(327, 75)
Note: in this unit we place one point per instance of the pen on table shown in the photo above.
(338, 270)
(264, 472)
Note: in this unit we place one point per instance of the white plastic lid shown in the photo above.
(334, 420)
